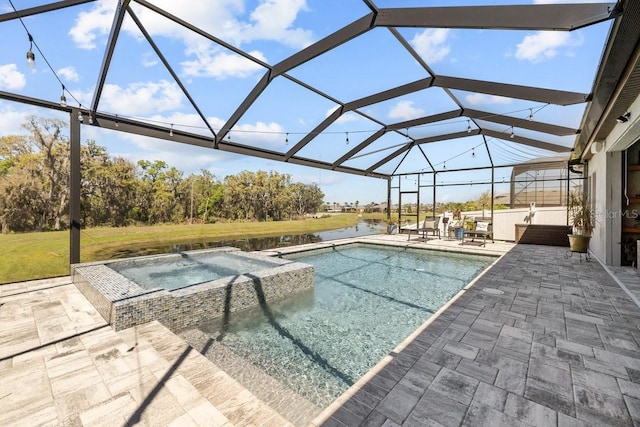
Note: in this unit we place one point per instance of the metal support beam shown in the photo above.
(620, 60)
(364, 144)
(493, 184)
(402, 160)
(409, 48)
(425, 120)
(245, 105)
(341, 36)
(74, 188)
(201, 32)
(108, 53)
(549, 17)
(426, 158)
(547, 96)
(418, 204)
(403, 149)
(434, 195)
(447, 136)
(407, 124)
(134, 127)
(315, 132)
(519, 123)
(389, 202)
(526, 141)
(389, 94)
(166, 64)
(486, 182)
(41, 9)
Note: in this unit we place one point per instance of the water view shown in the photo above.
(362, 228)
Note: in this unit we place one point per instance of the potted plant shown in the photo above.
(582, 220)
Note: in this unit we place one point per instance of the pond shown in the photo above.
(364, 227)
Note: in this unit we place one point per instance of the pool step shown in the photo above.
(289, 404)
(197, 382)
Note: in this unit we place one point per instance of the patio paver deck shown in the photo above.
(537, 340)
(62, 365)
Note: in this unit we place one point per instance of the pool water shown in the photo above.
(367, 299)
(185, 270)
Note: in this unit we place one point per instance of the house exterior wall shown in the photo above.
(605, 190)
(505, 220)
(605, 171)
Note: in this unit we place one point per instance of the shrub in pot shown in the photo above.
(582, 220)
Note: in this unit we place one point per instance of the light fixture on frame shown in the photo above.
(624, 118)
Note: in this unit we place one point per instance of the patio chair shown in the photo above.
(409, 228)
(482, 228)
(429, 224)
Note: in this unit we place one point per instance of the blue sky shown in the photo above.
(73, 40)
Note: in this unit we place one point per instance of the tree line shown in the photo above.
(34, 187)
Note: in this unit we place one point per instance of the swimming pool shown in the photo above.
(366, 300)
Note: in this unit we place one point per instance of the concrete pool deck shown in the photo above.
(539, 339)
(62, 365)
(558, 346)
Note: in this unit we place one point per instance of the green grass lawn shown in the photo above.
(26, 256)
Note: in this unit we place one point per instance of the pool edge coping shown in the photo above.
(367, 241)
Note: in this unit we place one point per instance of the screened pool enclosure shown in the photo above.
(384, 103)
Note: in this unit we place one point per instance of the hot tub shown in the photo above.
(184, 289)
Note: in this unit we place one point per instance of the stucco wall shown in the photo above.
(606, 189)
(504, 221)
(607, 167)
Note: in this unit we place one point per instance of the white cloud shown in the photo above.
(184, 157)
(431, 44)
(259, 134)
(69, 74)
(14, 115)
(141, 98)
(304, 122)
(12, 120)
(215, 17)
(271, 20)
(544, 45)
(11, 78)
(221, 65)
(404, 110)
(344, 118)
(84, 97)
(149, 60)
(348, 118)
(89, 25)
(481, 98)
